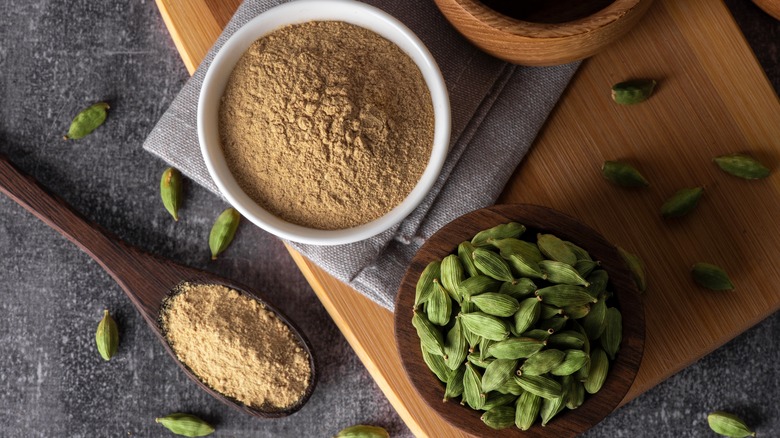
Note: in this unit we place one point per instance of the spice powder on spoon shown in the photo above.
(326, 124)
(236, 346)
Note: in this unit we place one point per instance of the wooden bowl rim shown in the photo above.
(532, 30)
(622, 371)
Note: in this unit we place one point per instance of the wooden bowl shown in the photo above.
(771, 7)
(541, 32)
(622, 370)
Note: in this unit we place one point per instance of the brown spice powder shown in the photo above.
(326, 124)
(236, 346)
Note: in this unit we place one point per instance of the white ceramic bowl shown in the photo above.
(301, 11)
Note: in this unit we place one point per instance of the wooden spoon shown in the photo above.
(145, 278)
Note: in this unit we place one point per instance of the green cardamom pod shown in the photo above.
(567, 339)
(87, 121)
(454, 387)
(563, 295)
(362, 431)
(527, 314)
(544, 387)
(580, 253)
(472, 388)
(527, 409)
(636, 267)
(598, 280)
(550, 408)
(585, 267)
(492, 265)
(439, 306)
(497, 373)
(170, 191)
(431, 338)
(518, 289)
(682, 202)
(484, 344)
(633, 91)
(577, 327)
(613, 332)
(574, 392)
(549, 311)
(479, 361)
(476, 285)
(455, 346)
(465, 250)
(425, 286)
(516, 348)
(510, 387)
(729, 425)
(541, 363)
(484, 325)
(472, 339)
(452, 275)
(742, 166)
(526, 267)
(562, 273)
(510, 247)
(500, 417)
(503, 231)
(595, 322)
(623, 175)
(599, 367)
(556, 323)
(496, 304)
(577, 312)
(185, 425)
(223, 231)
(436, 364)
(496, 399)
(538, 334)
(712, 277)
(555, 249)
(107, 336)
(572, 362)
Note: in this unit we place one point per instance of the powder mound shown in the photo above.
(326, 124)
(236, 346)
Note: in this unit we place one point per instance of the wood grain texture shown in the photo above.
(713, 97)
(532, 43)
(537, 219)
(146, 279)
(771, 7)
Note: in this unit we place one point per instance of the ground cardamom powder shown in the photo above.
(326, 124)
(236, 346)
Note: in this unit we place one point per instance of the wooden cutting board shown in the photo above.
(713, 98)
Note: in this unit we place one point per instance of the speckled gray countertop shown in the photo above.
(58, 56)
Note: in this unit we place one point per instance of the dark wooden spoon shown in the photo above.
(146, 279)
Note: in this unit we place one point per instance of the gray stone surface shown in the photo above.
(58, 56)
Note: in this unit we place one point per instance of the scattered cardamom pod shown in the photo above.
(742, 166)
(496, 399)
(712, 277)
(563, 295)
(503, 231)
(431, 338)
(497, 373)
(562, 273)
(499, 417)
(439, 306)
(362, 431)
(185, 425)
(682, 202)
(454, 386)
(623, 175)
(613, 332)
(425, 286)
(451, 276)
(633, 91)
(526, 410)
(107, 336)
(496, 304)
(472, 388)
(455, 346)
(544, 387)
(599, 367)
(541, 362)
(572, 362)
(636, 267)
(487, 326)
(556, 249)
(87, 121)
(492, 265)
(728, 425)
(170, 191)
(223, 231)
(550, 408)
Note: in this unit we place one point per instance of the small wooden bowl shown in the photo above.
(537, 33)
(622, 371)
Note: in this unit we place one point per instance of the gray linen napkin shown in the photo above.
(497, 110)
